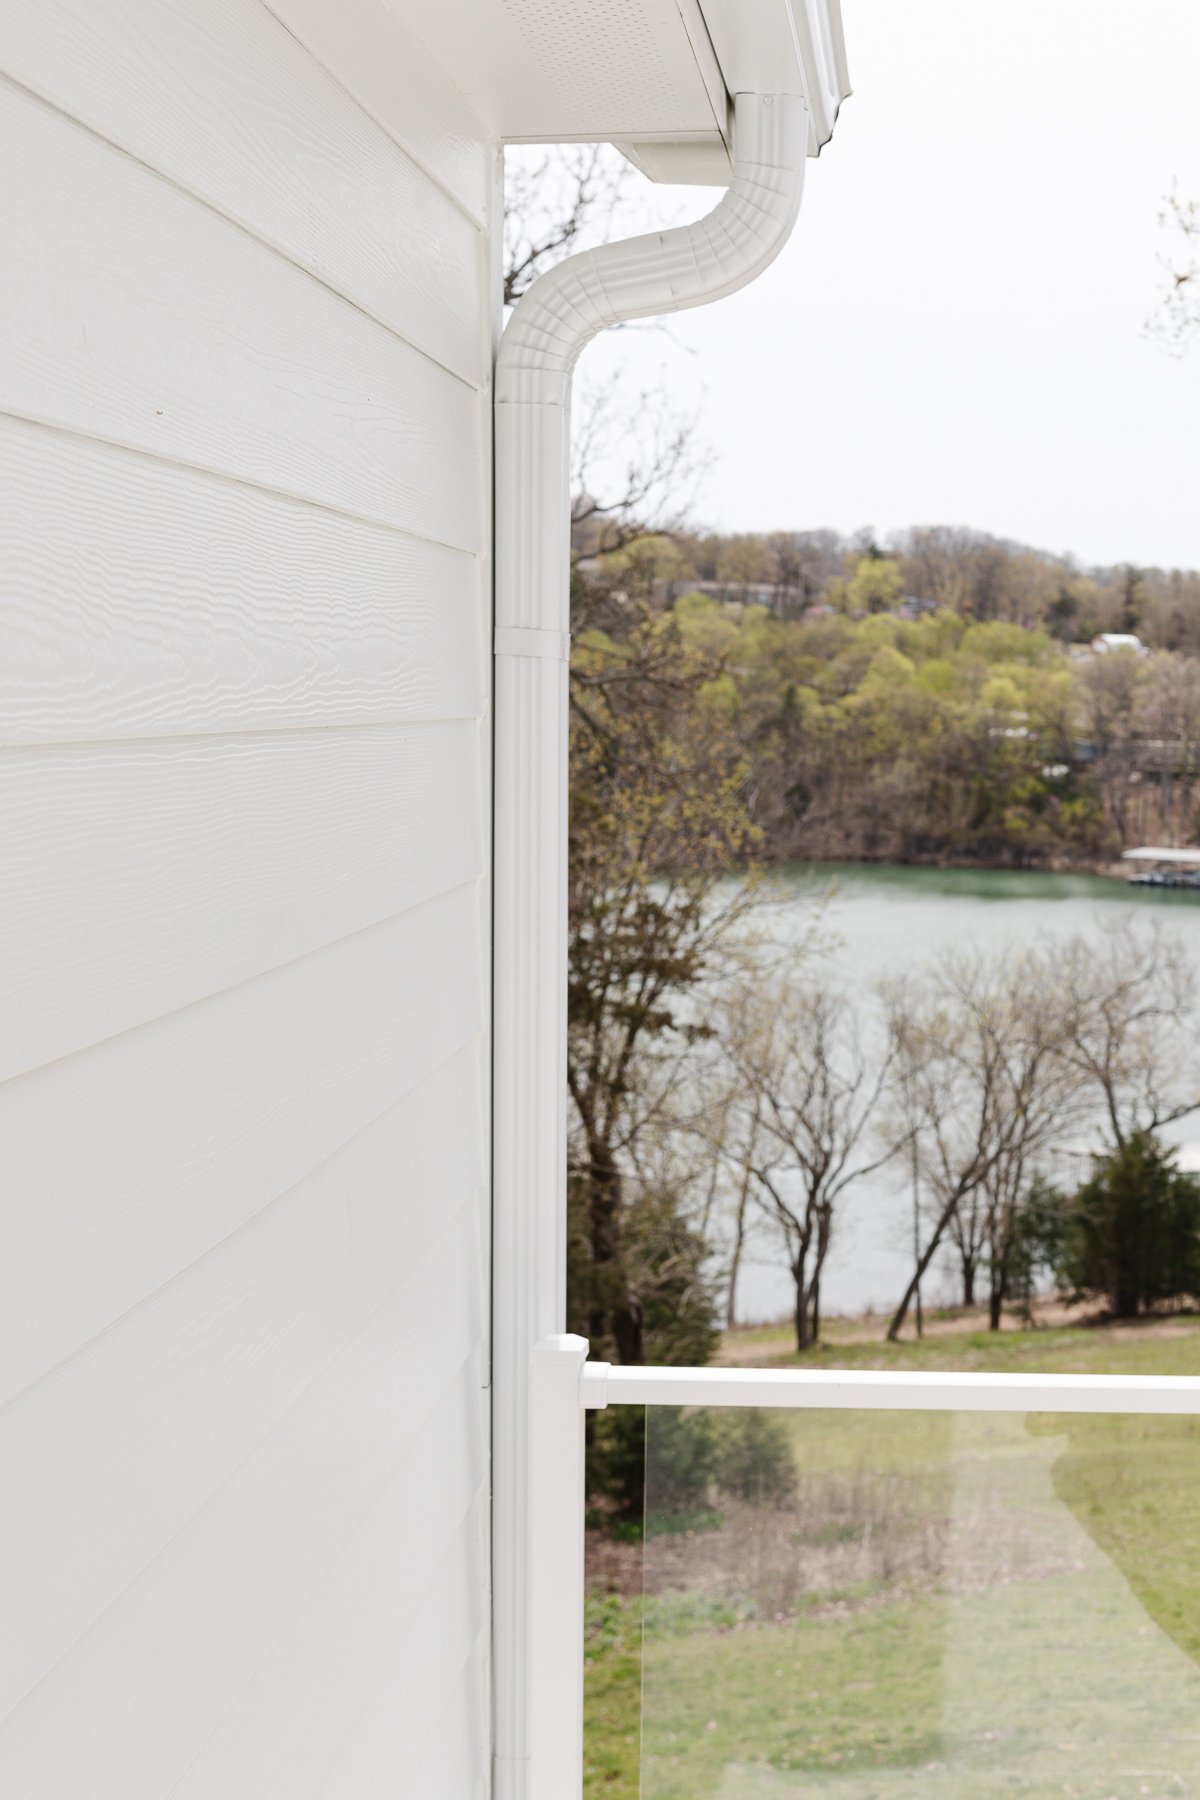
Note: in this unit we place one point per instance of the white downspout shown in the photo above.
(662, 272)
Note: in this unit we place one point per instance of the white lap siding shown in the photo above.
(245, 334)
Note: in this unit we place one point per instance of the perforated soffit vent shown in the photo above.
(609, 59)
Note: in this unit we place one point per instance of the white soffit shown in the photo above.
(652, 76)
(554, 71)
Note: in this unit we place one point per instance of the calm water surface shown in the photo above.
(883, 921)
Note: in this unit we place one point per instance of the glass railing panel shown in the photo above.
(954, 1605)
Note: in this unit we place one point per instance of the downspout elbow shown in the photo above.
(664, 271)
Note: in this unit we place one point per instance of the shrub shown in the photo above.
(679, 1461)
(1133, 1230)
(752, 1455)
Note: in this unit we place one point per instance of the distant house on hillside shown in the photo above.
(1108, 641)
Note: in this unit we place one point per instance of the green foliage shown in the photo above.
(1133, 1230)
(1038, 1241)
(686, 1460)
(926, 739)
(752, 1455)
(669, 1467)
(680, 1463)
(660, 1277)
(657, 817)
(876, 585)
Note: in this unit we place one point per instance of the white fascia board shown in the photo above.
(760, 46)
(784, 46)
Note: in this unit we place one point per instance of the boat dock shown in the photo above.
(1157, 866)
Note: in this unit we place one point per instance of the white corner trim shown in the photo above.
(662, 272)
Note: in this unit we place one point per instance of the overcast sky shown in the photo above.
(955, 332)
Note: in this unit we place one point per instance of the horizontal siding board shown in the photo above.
(441, 1641)
(244, 430)
(110, 1456)
(386, 1602)
(272, 141)
(140, 599)
(392, 75)
(133, 313)
(206, 861)
(134, 1701)
(451, 1752)
(127, 1162)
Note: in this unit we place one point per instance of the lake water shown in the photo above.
(883, 921)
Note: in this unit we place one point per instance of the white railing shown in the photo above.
(564, 1386)
(876, 1390)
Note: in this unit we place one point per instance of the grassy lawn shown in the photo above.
(949, 1606)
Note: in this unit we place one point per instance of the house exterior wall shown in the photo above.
(245, 335)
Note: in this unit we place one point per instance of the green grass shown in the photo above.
(1151, 1347)
(612, 1697)
(955, 1606)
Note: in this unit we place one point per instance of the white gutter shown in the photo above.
(663, 272)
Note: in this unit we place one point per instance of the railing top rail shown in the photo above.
(604, 1384)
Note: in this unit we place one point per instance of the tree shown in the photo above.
(1109, 688)
(1132, 599)
(985, 1086)
(1177, 323)
(1167, 721)
(556, 201)
(812, 1093)
(876, 585)
(656, 821)
(1133, 1229)
(1128, 997)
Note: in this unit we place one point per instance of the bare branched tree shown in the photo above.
(1130, 1028)
(555, 202)
(636, 465)
(1109, 690)
(983, 1077)
(812, 1092)
(1167, 721)
(636, 457)
(1176, 325)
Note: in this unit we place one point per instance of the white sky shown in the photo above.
(955, 332)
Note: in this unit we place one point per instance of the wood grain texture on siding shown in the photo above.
(133, 313)
(274, 142)
(125, 1163)
(142, 876)
(384, 1606)
(141, 599)
(452, 1753)
(109, 1456)
(135, 1700)
(365, 44)
(426, 1667)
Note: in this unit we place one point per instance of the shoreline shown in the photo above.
(1105, 869)
(750, 1346)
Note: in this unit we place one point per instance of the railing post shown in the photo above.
(556, 1513)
